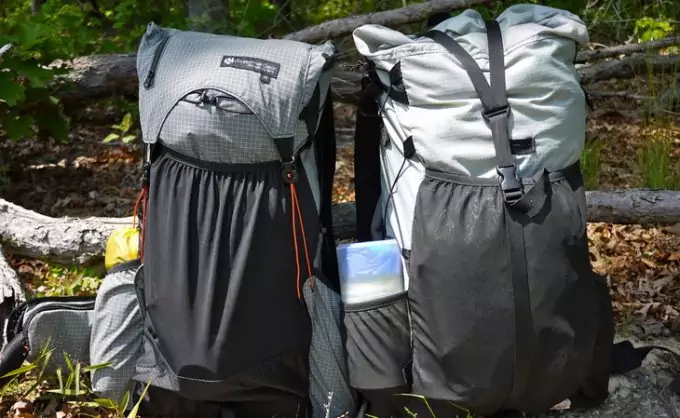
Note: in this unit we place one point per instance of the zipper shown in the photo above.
(148, 82)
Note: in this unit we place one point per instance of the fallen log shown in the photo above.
(82, 240)
(629, 67)
(10, 287)
(62, 240)
(634, 206)
(613, 51)
(100, 76)
(409, 14)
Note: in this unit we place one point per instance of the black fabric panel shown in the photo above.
(378, 344)
(325, 148)
(162, 403)
(595, 385)
(220, 275)
(367, 184)
(12, 357)
(462, 296)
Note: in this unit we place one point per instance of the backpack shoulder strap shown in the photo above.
(367, 181)
(325, 154)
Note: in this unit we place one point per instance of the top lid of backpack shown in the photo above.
(521, 24)
(274, 78)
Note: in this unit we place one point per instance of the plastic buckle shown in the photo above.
(290, 174)
(510, 183)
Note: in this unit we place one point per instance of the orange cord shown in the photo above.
(143, 197)
(304, 241)
(295, 209)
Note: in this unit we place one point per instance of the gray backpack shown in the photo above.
(467, 154)
(233, 307)
(237, 289)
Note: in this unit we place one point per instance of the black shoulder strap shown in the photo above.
(325, 153)
(494, 101)
(367, 183)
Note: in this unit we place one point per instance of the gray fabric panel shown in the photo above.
(193, 60)
(224, 133)
(61, 330)
(462, 305)
(444, 116)
(329, 384)
(150, 368)
(116, 334)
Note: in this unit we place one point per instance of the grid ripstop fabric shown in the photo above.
(272, 80)
(60, 330)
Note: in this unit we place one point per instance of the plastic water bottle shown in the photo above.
(370, 271)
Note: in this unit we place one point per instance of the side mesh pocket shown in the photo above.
(116, 332)
(378, 343)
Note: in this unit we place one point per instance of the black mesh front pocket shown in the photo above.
(378, 343)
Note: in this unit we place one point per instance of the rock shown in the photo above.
(641, 393)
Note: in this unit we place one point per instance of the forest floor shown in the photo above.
(86, 177)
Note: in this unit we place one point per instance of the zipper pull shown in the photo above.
(148, 82)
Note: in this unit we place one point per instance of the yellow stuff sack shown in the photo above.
(122, 246)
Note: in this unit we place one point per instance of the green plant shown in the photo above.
(123, 129)
(657, 169)
(70, 281)
(590, 163)
(74, 389)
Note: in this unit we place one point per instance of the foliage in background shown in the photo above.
(64, 29)
(69, 281)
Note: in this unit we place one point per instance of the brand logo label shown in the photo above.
(266, 69)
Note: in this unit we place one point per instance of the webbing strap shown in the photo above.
(494, 101)
(524, 324)
(496, 111)
(367, 184)
(285, 146)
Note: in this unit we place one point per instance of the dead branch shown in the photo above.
(629, 67)
(82, 241)
(619, 94)
(610, 52)
(413, 13)
(634, 206)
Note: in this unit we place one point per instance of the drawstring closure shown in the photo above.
(143, 201)
(290, 177)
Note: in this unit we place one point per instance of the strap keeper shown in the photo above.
(496, 111)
